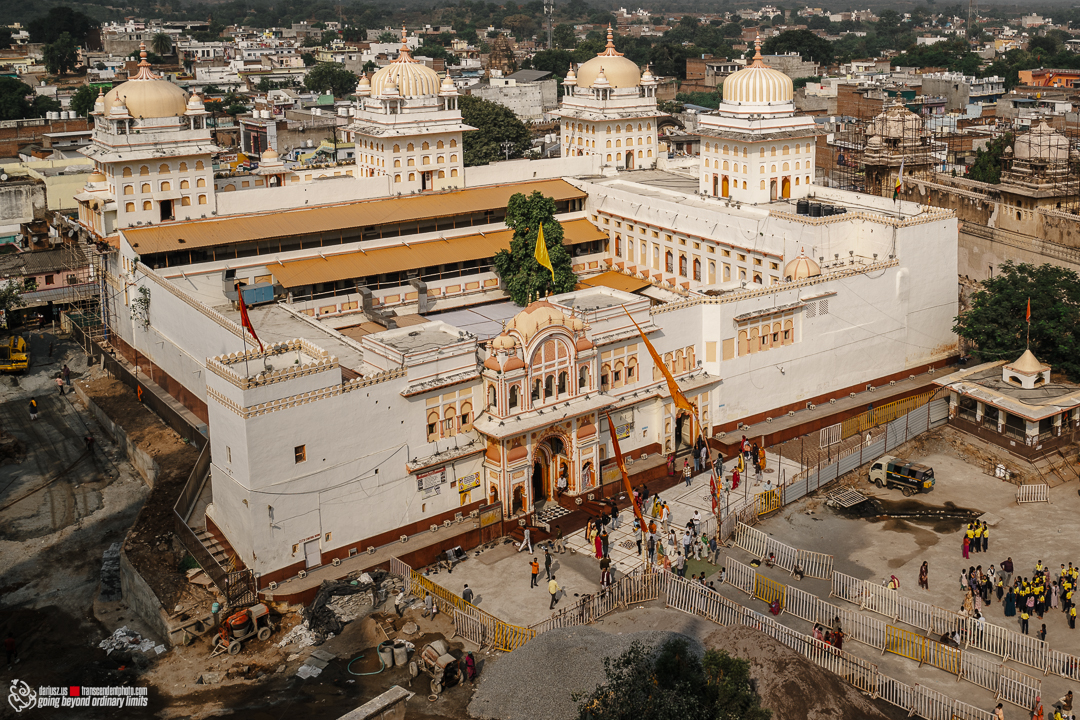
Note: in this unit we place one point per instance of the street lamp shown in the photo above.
(507, 146)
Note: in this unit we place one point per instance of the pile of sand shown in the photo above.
(792, 686)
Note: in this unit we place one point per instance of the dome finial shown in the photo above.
(757, 47)
(403, 55)
(404, 38)
(144, 66)
(609, 49)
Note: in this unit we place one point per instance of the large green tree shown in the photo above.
(14, 104)
(995, 322)
(495, 124)
(525, 278)
(810, 46)
(990, 162)
(333, 77)
(60, 55)
(59, 20)
(671, 683)
(82, 102)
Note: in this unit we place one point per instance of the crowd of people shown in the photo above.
(1034, 595)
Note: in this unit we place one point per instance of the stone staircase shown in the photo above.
(1056, 468)
(217, 548)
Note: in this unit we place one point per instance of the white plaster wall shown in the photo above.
(317, 192)
(520, 170)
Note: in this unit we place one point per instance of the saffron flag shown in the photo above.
(676, 394)
(625, 477)
(899, 182)
(245, 321)
(1029, 310)
(541, 252)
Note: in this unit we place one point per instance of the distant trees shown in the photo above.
(15, 106)
(563, 36)
(331, 77)
(82, 102)
(59, 20)
(60, 55)
(161, 44)
(809, 46)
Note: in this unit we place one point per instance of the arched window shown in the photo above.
(535, 391)
(453, 143)
(199, 165)
(786, 167)
(453, 173)
(147, 205)
(608, 143)
(618, 128)
(201, 182)
(697, 269)
(439, 145)
(450, 422)
(440, 159)
(786, 149)
(772, 151)
(453, 158)
(762, 154)
(397, 148)
(618, 374)
(127, 172)
(412, 177)
(130, 207)
(563, 381)
(184, 185)
(677, 362)
(631, 370)
(726, 152)
(442, 174)
(433, 426)
(648, 126)
(682, 265)
(669, 262)
(397, 163)
(129, 189)
(493, 396)
(583, 379)
(549, 386)
(605, 377)
(618, 246)
(425, 146)
(690, 362)
(185, 201)
(202, 199)
(183, 167)
(397, 178)
(145, 188)
(163, 169)
(744, 346)
(410, 148)
(166, 186)
(513, 396)
(144, 170)
(618, 143)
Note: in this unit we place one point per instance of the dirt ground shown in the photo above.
(793, 687)
(149, 544)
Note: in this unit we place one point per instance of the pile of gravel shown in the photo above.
(535, 682)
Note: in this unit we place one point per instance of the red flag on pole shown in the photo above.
(245, 321)
(625, 476)
(1029, 310)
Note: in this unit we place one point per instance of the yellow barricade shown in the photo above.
(769, 501)
(883, 414)
(923, 650)
(769, 590)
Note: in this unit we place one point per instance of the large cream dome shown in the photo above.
(758, 83)
(621, 72)
(148, 96)
(1042, 143)
(411, 77)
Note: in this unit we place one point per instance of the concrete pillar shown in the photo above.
(954, 404)
(1031, 431)
(980, 410)
(1057, 424)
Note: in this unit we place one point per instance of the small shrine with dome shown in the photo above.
(408, 127)
(609, 109)
(754, 148)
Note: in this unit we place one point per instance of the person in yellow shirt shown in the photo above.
(1024, 617)
(976, 543)
(1072, 618)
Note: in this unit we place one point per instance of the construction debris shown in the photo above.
(127, 640)
(300, 635)
(341, 601)
(110, 574)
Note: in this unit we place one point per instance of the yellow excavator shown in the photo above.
(14, 354)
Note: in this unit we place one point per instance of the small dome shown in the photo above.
(363, 86)
(95, 177)
(896, 122)
(583, 344)
(1028, 364)
(758, 83)
(503, 342)
(801, 268)
(647, 77)
(195, 104)
(406, 76)
(619, 71)
(492, 363)
(601, 80)
(146, 95)
(513, 363)
(99, 103)
(1042, 143)
(269, 155)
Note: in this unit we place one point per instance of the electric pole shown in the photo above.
(549, 10)
(507, 146)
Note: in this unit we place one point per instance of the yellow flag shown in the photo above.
(541, 253)
(676, 394)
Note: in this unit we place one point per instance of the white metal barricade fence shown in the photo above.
(1027, 650)
(1035, 492)
(992, 639)
(814, 564)
(944, 621)
(1018, 688)
(914, 613)
(469, 627)
(882, 600)
(981, 670)
(931, 704)
(862, 628)
(697, 599)
(784, 556)
(963, 711)
(894, 692)
(1063, 664)
(741, 576)
(847, 588)
(751, 540)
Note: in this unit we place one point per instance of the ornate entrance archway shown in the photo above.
(550, 459)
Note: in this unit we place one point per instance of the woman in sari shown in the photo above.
(923, 572)
(1010, 604)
